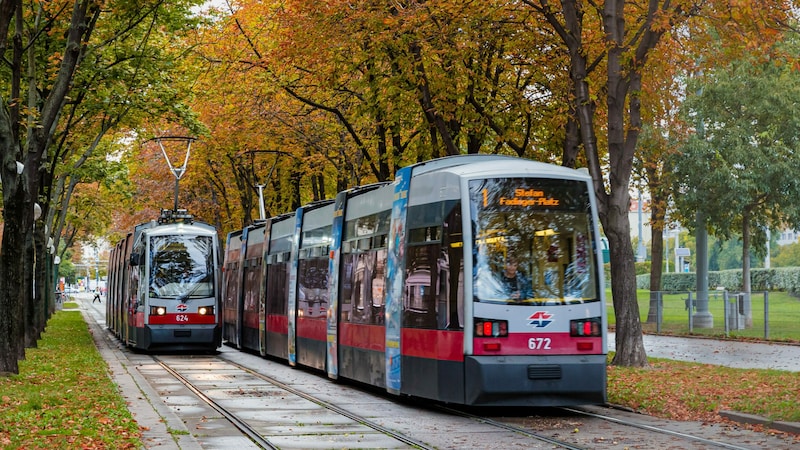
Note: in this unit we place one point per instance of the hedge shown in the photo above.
(777, 279)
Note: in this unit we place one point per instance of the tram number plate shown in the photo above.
(181, 318)
(539, 343)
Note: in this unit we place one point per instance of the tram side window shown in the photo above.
(434, 267)
(450, 304)
(419, 301)
(363, 272)
(313, 283)
(277, 284)
(251, 283)
(137, 273)
(231, 272)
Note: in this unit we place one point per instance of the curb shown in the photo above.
(750, 419)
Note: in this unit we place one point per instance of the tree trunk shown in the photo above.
(41, 288)
(15, 267)
(746, 286)
(657, 217)
(629, 345)
(624, 79)
(10, 306)
(20, 191)
(425, 98)
(656, 270)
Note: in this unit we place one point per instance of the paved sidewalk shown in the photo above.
(161, 427)
(736, 354)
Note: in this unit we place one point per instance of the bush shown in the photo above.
(642, 267)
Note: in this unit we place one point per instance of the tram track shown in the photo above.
(589, 428)
(255, 386)
(654, 429)
(590, 435)
(332, 407)
(235, 420)
(232, 379)
(508, 427)
(288, 407)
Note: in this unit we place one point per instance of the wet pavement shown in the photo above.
(163, 429)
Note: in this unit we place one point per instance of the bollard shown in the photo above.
(766, 314)
(725, 312)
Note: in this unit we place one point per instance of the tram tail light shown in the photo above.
(591, 327)
(491, 346)
(157, 310)
(585, 346)
(491, 328)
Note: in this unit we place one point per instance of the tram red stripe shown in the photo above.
(312, 328)
(538, 344)
(433, 344)
(186, 319)
(367, 337)
(430, 344)
(277, 324)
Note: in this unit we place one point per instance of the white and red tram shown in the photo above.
(404, 285)
(164, 285)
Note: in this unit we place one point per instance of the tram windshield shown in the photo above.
(532, 241)
(181, 267)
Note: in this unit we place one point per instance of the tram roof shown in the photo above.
(471, 165)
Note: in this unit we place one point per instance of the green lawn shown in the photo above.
(784, 315)
(63, 396)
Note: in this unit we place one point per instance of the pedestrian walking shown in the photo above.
(96, 298)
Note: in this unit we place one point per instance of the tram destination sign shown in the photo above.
(531, 193)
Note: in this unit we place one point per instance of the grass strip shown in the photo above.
(63, 396)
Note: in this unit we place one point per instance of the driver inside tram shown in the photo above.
(515, 284)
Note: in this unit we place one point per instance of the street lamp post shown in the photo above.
(703, 317)
(641, 254)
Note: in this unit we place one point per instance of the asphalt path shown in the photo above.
(729, 353)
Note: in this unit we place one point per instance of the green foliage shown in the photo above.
(63, 396)
(786, 255)
(642, 267)
(742, 166)
(66, 269)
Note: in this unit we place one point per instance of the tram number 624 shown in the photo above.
(181, 318)
(539, 343)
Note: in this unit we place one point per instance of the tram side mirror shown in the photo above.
(134, 259)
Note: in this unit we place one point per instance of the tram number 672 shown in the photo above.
(539, 343)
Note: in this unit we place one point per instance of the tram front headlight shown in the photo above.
(205, 310)
(158, 310)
